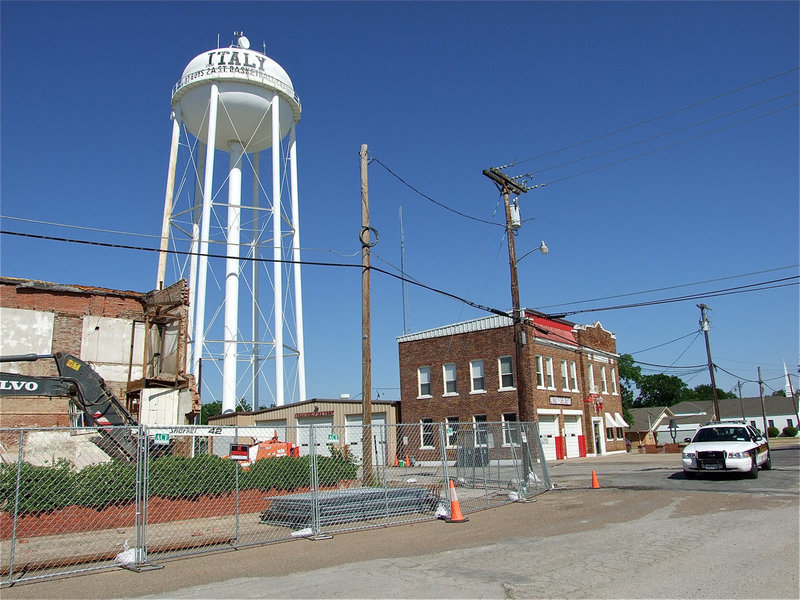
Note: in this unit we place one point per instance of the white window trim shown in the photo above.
(564, 375)
(419, 383)
(604, 380)
(422, 424)
(445, 381)
(540, 372)
(506, 444)
(549, 375)
(592, 384)
(614, 388)
(500, 387)
(472, 388)
(475, 424)
(573, 375)
(447, 423)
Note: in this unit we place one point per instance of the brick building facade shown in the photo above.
(464, 374)
(135, 341)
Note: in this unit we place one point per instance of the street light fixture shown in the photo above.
(542, 248)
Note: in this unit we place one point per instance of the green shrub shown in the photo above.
(44, 489)
(105, 484)
(773, 432)
(790, 431)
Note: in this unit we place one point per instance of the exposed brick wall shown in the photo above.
(70, 304)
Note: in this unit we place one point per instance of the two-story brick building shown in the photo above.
(465, 373)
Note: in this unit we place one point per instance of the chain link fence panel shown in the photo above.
(68, 506)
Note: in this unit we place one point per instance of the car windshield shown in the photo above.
(722, 434)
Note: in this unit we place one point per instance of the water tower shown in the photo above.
(234, 103)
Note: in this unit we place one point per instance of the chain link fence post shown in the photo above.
(16, 507)
(445, 473)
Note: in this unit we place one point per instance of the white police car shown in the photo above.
(726, 446)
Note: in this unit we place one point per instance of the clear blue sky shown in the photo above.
(439, 92)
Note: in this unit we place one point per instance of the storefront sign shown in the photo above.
(561, 400)
(319, 413)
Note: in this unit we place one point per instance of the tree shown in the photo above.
(660, 390)
(629, 377)
(210, 410)
(703, 393)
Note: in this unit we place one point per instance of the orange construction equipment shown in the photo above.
(455, 507)
(595, 483)
(396, 462)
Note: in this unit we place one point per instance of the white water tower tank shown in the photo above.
(247, 81)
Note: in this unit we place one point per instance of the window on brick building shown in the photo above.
(427, 432)
(481, 430)
(540, 370)
(548, 364)
(564, 376)
(476, 376)
(603, 380)
(510, 429)
(614, 382)
(609, 433)
(424, 381)
(506, 369)
(592, 385)
(452, 431)
(450, 387)
(573, 375)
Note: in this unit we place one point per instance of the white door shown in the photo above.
(572, 431)
(548, 429)
(323, 426)
(353, 437)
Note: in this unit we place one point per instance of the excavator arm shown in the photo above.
(87, 389)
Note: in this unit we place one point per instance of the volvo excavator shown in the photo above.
(88, 391)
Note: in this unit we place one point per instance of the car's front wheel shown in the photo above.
(767, 466)
(753, 472)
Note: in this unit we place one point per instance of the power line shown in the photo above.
(735, 290)
(666, 133)
(656, 118)
(672, 287)
(668, 146)
(753, 287)
(436, 202)
(664, 344)
(482, 307)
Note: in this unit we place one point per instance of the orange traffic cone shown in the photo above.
(408, 464)
(455, 507)
(396, 462)
(595, 483)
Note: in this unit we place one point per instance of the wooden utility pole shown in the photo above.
(704, 327)
(525, 407)
(763, 410)
(366, 350)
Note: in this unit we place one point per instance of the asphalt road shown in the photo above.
(646, 533)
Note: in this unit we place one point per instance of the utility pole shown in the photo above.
(741, 404)
(527, 411)
(704, 327)
(366, 349)
(763, 410)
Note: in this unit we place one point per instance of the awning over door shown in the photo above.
(620, 421)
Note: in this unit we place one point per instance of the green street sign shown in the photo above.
(161, 439)
(333, 437)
